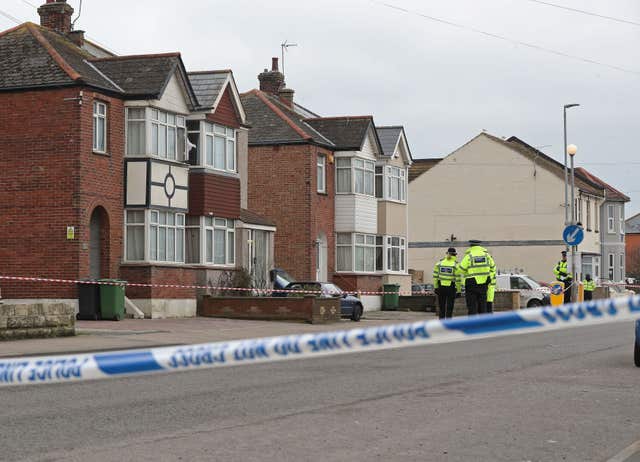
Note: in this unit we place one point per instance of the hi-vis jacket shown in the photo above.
(446, 273)
(560, 271)
(589, 286)
(478, 264)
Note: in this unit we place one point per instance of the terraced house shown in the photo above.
(122, 167)
(337, 196)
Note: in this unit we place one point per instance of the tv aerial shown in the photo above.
(284, 47)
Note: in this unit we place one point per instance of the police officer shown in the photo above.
(478, 269)
(446, 282)
(561, 273)
(589, 287)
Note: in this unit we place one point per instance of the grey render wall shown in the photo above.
(612, 242)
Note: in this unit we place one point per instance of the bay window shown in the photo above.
(396, 184)
(219, 236)
(359, 252)
(396, 254)
(166, 236)
(355, 175)
(611, 210)
(167, 133)
(165, 232)
(220, 147)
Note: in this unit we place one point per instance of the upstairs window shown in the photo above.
(220, 147)
(99, 127)
(588, 214)
(355, 175)
(621, 219)
(611, 209)
(322, 174)
(396, 184)
(136, 131)
(168, 135)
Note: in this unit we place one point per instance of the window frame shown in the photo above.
(357, 166)
(212, 133)
(321, 174)
(402, 254)
(226, 225)
(399, 176)
(588, 204)
(97, 118)
(611, 226)
(177, 226)
(368, 246)
(611, 268)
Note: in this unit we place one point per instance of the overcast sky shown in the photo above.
(443, 83)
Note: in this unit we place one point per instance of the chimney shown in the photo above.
(56, 15)
(271, 81)
(286, 96)
(77, 37)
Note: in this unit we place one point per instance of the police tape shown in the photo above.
(81, 367)
(258, 291)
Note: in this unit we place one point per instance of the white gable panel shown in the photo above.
(136, 183)
(173, 99)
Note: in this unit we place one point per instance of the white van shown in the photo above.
(531, 293)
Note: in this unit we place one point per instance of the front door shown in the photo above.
(321, 258)
(95, 225)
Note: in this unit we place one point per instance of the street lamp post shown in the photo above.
(571, 150)
(566, 179)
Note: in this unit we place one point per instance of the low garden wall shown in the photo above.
(308, 308)
(35, 320)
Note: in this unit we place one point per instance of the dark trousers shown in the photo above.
(588, 295)
(476, 296)
(567, 291)
(446, 299)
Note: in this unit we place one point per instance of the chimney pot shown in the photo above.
(274, 64)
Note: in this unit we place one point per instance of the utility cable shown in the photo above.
(589, 13)
(507, 39)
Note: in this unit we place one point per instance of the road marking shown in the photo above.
(627, 453)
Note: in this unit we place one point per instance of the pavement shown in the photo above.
(144, 333)
(567, 395)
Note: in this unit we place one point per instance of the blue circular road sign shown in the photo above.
(573, 235)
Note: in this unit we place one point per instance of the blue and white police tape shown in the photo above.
(79, 367)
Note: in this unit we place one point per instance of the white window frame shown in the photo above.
(398, 176)
(369, 245)
(588, 203)
(321, 170)
(99, 122)
(224, 161)
(596, 216)
(401, 250)
(621, 262)
(212, 227)
(167, 223)
(357, 166)
(611, 210)
(130, 224)
(611, 268)
(135, 121)
(621, 219)
(162, 124)
(579, 219)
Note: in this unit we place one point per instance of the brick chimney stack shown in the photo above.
(56, 15)
(286, 96)
(272, 81)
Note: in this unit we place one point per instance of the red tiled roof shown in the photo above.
(612, 193)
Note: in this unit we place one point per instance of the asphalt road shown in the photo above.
(566, 395)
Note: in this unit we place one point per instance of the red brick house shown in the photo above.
(322, 181)
(120, 167)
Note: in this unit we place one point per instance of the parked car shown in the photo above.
(532, 294)
(350, 305)
(280, 279)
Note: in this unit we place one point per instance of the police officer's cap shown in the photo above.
(564, 252)
(452, 251)
(475, 242)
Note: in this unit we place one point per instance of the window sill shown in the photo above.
(177, 265)
(380, 199)
(323, 193)
(100, 153)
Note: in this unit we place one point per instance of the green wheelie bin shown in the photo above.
(391, 297)
(112, 299)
